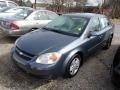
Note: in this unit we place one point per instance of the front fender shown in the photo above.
(69, 56)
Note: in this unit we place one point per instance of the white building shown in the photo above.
(42, 1)
(94, 3)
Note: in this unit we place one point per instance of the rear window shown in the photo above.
(11, 4)
(104, 22)
(23, 14)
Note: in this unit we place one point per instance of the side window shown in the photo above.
(104, 22)
(95, 24)
(41, 16)
(24, 14)
(11, 4)
(51, 15)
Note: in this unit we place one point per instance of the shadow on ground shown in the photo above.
(7, 40)
(14, 78)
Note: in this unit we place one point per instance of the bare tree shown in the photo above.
(35, 4)
(58, 5)
(80, 2)
(115, 8)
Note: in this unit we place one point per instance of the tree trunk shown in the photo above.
(115, 8)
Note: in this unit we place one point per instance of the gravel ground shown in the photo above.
(93, 75)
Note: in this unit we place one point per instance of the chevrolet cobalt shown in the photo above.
(60, 48)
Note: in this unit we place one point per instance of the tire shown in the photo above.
(108, 43)
(115, 77)
(73, 66)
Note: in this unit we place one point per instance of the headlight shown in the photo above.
(48, 58)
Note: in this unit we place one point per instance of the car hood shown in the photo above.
(43, 41)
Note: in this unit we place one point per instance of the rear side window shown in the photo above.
(41, 16)
(104, 22)
(51, 15)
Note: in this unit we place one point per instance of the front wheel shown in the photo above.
(73, 67)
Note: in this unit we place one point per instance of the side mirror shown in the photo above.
(92, 33)
(108, 23)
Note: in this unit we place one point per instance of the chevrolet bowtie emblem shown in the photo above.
(20, 53)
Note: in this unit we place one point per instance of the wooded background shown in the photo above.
(109, 7)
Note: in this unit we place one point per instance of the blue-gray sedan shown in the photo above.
(61, 47)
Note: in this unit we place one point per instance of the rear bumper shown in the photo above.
(34, 68)
(9, 32)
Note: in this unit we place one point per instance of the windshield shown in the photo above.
(68, 25)
(4, 9)
(14, 10)
(23, 14)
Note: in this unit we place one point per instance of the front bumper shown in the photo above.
(34, 68)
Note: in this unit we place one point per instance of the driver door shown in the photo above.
(94, 41)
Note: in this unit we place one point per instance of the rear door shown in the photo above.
(106, 28)
(51, 15)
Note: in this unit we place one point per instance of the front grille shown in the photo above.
(23, 55)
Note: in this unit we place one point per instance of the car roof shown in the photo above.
(5, 0)
(43, 10)
(24, 7)
(85, 15)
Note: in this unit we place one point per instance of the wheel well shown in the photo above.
(81, 55)
(34, 28)
(112, 34)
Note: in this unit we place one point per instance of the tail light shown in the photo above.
(14, 26)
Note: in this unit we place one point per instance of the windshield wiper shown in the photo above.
(57, 31)
(51, 29)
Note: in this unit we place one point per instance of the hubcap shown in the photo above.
(74, 66)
